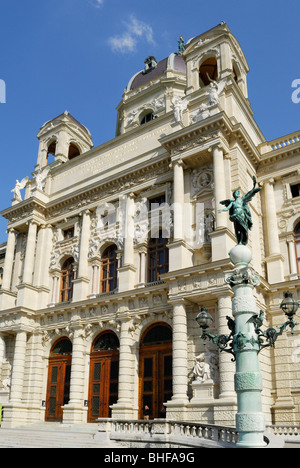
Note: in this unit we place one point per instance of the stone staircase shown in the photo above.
(55, 435)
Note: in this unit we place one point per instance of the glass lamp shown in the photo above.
(204, 319)
(289, 306)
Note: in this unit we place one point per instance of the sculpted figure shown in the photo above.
(215, 90)
(239, 212)
(18, 187)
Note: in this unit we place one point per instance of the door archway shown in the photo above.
(59, 372)
(155, 370)
(104, 376)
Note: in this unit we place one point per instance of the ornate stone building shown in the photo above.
(113, 249)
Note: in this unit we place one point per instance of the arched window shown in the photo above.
(147, 118)
(235, 72)
(297, 246)
(62, 347)
(73, 151)
(107, 341)
(156, 335)
(104, 376)
(158, 257)
(67, 276)
(51, 151)
(155, 370)
(208, 71)
(59, 378)
(109, 265)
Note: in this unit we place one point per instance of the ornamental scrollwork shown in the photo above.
(246, 275)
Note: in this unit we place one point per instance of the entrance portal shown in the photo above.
(104, 376)
(155, 374)
(58, 388)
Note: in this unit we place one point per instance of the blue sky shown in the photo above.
(78, 55)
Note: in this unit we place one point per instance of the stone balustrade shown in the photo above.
(168, 433)
(172, 434)
(279, 143)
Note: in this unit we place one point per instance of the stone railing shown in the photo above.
(279, 143)
(141, 433)
(284, 430)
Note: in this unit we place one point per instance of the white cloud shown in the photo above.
(97, 3)
(127, 42)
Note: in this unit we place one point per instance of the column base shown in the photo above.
(179, 255)
(127, 277)
(27, 296)
(15, 415)
(283, 411)
(274, 265)
(222, 241)
(124, 411)
(80, 291)
(8, 300)
(176, 409)
(74, 413)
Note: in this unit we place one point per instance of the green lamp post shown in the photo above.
(246, 338)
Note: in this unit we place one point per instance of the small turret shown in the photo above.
(64, 138)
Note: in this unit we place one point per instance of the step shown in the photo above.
(56, 437)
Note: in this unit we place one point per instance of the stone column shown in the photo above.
(274, 260)
(180, 256)
(222, 239)
(55, 288)
(9, 260)
(180, 379)
(96, 278)
(178, 200)
(81, 282)
(18, 368)
(30, 253)
(84, 245)
(125, 406)
(143, 256)
(219, 186)
(74, 410)
(2, 352)
(226, 367)
(292, 256)
(43, 252)
(127, 271)
(42, 156)
(129, 231)
(271, 218)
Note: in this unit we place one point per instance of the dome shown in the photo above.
(174, 62)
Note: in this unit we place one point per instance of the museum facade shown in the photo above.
(112, 251)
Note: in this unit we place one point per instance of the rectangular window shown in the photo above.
(68, 233)
(295, 189)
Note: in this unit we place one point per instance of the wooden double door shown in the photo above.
(103, 384)
(155, 380)
(58, 391)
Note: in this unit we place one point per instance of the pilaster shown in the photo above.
(7, 297)
(75, 412)
(221, 239)
(124, 408)
(179, 254)
(81, 283)
(274, 260)
(179, 400)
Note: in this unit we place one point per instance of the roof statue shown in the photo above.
(239, 212)
(18, 187)
(181, 46)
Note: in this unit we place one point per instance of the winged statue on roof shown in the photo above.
(215, 90)
(18, 187)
